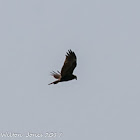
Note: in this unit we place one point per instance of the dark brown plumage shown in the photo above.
(66, 73)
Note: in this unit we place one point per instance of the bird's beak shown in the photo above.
(76, 78)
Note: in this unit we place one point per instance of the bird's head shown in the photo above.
(75, 77)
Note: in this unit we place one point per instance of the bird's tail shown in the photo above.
(55, 82)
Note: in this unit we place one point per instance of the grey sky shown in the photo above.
(103, 104)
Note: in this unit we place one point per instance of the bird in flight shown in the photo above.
(66, 73)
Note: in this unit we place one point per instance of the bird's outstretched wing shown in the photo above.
(56, 75)
(69, 64)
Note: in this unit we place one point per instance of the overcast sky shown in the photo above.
(104, 102)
